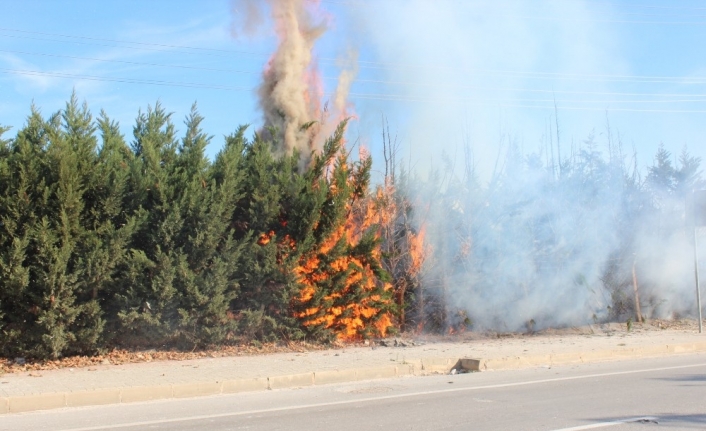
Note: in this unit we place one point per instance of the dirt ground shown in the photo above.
(118, 356)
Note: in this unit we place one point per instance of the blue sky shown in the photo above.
(443, 72)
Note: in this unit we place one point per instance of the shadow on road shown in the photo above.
(695, 421)
(689, 378)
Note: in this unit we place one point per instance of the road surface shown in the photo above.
(648, 394)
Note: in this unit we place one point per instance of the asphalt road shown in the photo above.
(647, 394)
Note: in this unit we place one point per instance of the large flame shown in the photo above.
(349, 317)
(290, 97)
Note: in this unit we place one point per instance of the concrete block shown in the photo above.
(467, 365)
(625, 352)
(245, 385)
(565, 358)
(4, 406)
(37, 402)
(291, 381)
(384, 372)
(438, 365)
(405, 370)
(600, 355)
(536, 360)
(198, 389)
(145, 393)
(334, 376)
(416, 364)
(93, 398)
(651, 350)
(506, 363)
(687, 348)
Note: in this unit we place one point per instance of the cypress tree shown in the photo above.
(146, 294)
(258, 218)
(49, 241)
(109, 225)
(343, 291)
(208, 259)
(23, 202)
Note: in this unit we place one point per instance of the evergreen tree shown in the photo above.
(661, 175)
(261, 220)
(688, 176)
(146, 294)
(57, 245)
(24, 201)
(109, 226)
(208, 262)
(344, 291)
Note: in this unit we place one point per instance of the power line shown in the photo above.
(442, 98)
(140, 48)
(147, 44)
(605, 2)
(531, 75)
(376, 81)
(133, 63)
(122, 80)
(362, 63)
(381, 97)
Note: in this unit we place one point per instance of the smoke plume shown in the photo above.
(292, 89)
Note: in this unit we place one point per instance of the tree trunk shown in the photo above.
(638, 312)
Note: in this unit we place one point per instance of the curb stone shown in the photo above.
(410, 367)
(245, 385)
(291, 381)
(92, 398)
(518, 362)
(144, 393)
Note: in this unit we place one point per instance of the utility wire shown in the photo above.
(122, 80)
(381, 97)
(530, 75)
(146, 44)
(362, 80)
(132, 63)
(608, 2)
(362, 64)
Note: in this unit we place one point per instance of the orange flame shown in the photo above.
(417, 251)
(349, 317)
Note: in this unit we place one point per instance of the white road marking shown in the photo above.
(607, 424)
(388, 397)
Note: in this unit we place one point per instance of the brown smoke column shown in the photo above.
(291, 92)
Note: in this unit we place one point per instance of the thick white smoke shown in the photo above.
(519, 244)
(542, 246)
(541, 227)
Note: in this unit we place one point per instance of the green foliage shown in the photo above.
(59, 243)
(104, 243)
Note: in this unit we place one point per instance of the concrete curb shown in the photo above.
(519, 362)
(413, 367)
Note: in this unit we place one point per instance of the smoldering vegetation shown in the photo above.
(554, 241)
